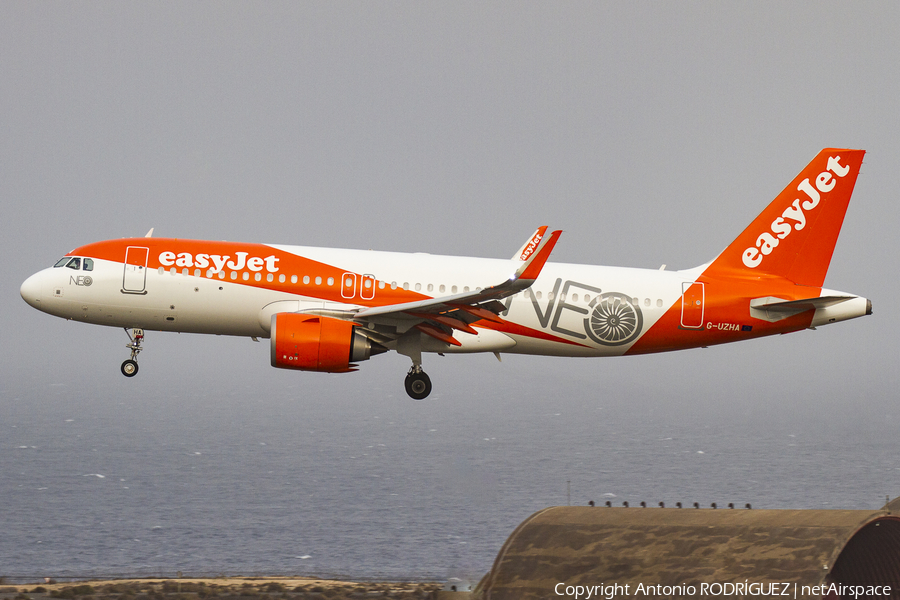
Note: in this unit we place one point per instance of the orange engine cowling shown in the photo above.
(313, 343)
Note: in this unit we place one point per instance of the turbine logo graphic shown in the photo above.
(614, 320)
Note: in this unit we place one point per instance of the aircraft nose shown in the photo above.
(31, 290)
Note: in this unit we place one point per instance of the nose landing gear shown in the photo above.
(130, 366)
(418, 384)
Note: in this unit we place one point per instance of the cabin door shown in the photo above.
(134, 280)
(692, 299)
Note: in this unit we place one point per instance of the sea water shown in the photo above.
(309, 474)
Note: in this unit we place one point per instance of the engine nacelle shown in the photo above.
(313, 343)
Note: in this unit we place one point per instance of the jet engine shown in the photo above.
(313, 343)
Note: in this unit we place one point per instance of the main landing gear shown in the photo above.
(418, 384)
(130, 366)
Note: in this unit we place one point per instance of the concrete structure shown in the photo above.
(590, 546)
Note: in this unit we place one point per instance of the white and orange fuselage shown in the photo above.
(326, 308)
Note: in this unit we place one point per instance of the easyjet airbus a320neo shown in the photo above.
(327, 309)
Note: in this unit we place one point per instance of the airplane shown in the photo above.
(327, 310)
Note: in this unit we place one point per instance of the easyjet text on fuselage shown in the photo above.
(219, 262)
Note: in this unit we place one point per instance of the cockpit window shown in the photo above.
(75, 263)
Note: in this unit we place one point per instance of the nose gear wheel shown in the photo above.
(130, 367)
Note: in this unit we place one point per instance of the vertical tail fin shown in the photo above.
(794, 237)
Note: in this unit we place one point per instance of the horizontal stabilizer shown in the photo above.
(774, 309)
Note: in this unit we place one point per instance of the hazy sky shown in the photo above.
(649, 132)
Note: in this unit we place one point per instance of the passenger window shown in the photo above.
(75, 263)
(88, 264)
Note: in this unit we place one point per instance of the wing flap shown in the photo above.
(438, 333)
(445, 319)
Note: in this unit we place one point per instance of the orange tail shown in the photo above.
(794, 237)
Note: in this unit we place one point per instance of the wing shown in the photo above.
(441, 317)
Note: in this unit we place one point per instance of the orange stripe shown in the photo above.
(287, 264)
(515, 329)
